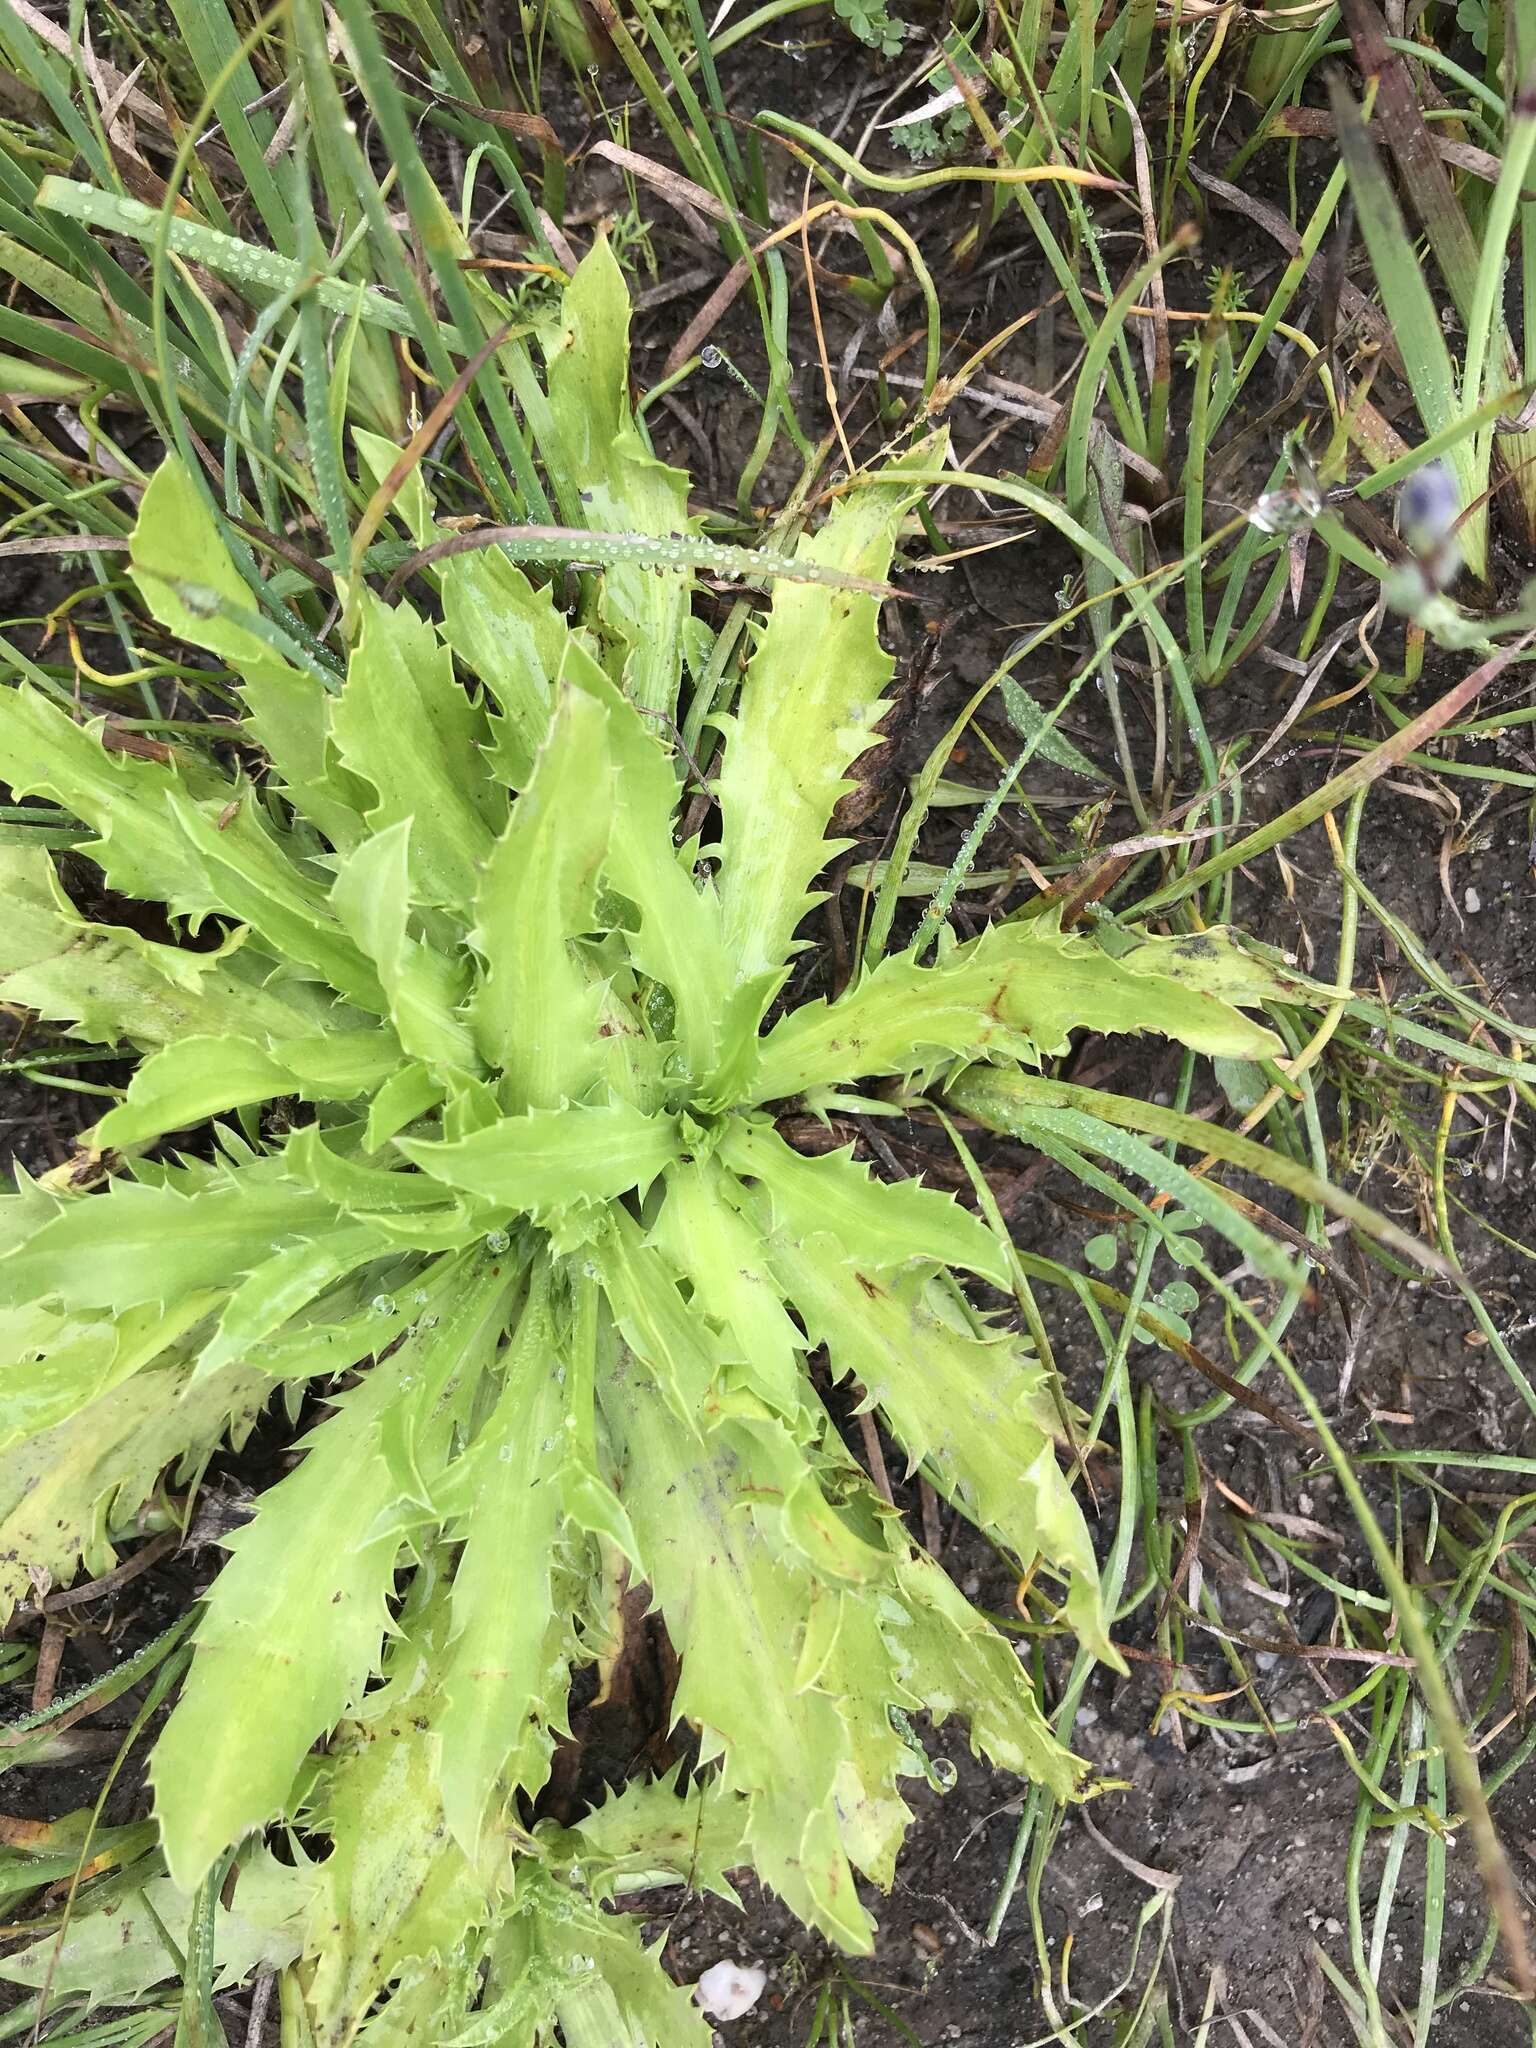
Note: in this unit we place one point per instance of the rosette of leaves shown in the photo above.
(496, 1180)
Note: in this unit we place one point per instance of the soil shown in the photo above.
(1240, 1847)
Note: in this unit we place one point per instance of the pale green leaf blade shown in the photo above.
(294, 1622)
(123, 798)
(185, 574)
(1019, 991)
(338, 1065)
(279, 1286)
(502, 1669)
(513, 642)
(956, 1662)
(247, 873)
(657, 1826)
(410, 1092)
(535, 1014)
(188, 1082)
(562, 1962)
(680, 1349)
(678, 941)
(721, 1258)
(61, 1489)
(396, 1888)
(412, 502)
(881, 1224)
(551, 1158)
(132, 1244)
(736, 1613)
(292, 1630)
(288, 715)
(610, 1989)
(113, 1950)
(624, 488)
(112, 983)
(977, 1408)
(424, 989)
(810, 704)
(58, 1364)
(404, 724)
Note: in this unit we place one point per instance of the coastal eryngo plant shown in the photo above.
(499, 1187)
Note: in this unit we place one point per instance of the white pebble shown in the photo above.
(1473, 901)
(727, 1990)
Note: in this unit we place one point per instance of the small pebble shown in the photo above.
(1473, 901)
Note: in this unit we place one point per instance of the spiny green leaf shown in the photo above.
(188, 1082)
(550, 1158)
(883, 1223)
(721, 1258)
(245, 871)
(502, 1667)
(977, 1407)
(58, 1364)
(513, 642)
(639, 1282)
(404, 724)
(326, 1159)
(1019, 990)
(61, 1490)
(115, 984)
(624, 489)
(810, 705)
(396, 1887)
(562, 1969)
(678, 941)
(123, 798)
(657, 1826)
(535, 1013)
(295, 1619)
(957, 1663)
(736, 1614)
(423, 987)
(134, 1244)
(410, 1092)
(281, 1285)
(113, 1951)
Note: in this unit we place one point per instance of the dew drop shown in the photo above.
(496, 1242)
(384, 1305)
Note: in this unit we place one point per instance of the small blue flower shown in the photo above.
(1428, 508)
